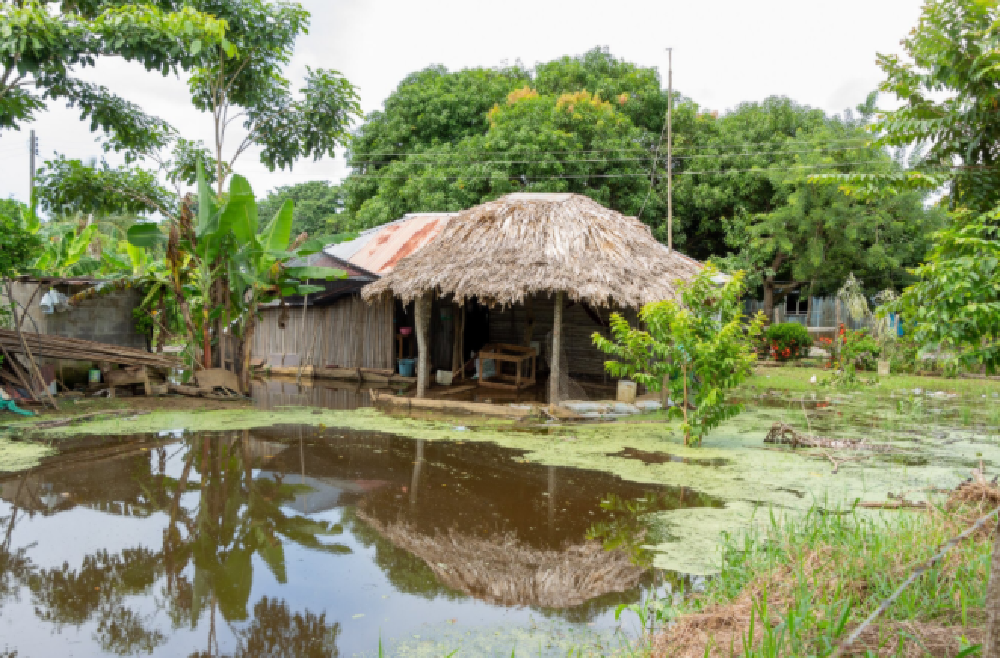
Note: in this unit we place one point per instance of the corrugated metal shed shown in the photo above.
(378, 250)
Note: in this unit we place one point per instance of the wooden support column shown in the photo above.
(422, 318)
(554, 361)
(456, 340)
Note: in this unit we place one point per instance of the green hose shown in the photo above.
(8, 405)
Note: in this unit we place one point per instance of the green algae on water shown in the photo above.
(20, 456)
(733, 465)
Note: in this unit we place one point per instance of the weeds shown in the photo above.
(797, 586)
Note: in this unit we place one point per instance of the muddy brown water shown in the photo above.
(310, 542)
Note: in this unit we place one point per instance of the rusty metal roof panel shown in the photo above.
(383, 249)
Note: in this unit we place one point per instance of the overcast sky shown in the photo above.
(725, 52)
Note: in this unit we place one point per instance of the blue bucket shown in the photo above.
(407, 366)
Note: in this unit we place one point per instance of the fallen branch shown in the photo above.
(892, 504)
(837, 461)
(788, 435)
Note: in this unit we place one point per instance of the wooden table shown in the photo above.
(410, 342)
(523, 359)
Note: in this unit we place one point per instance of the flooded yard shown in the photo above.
(322, 540)
(311, 524)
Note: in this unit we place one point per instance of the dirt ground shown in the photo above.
(72, 406)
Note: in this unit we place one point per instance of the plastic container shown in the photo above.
(94, 376)
(407, 366)
(626, 391)
(444, 377)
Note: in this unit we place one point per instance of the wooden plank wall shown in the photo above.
(349, 333)
(507, 325)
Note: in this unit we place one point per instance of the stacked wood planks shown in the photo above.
(74, 349)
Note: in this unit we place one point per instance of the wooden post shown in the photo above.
(554, 359)
(529, 320)
(456, 341)
(422, 318)
(991, 646)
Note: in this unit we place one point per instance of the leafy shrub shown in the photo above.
(788, 340)
(905, 358)
(860, 350)
(699, 346)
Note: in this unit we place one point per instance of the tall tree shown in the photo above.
(471, 135)
(42, 44)
(246, 83)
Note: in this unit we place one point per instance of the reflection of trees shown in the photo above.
(275, 632)
(407, 572)
(234, 518)
(626, 524)
(97, 591)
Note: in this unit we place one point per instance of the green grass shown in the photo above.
(796, 379)
(800, 585)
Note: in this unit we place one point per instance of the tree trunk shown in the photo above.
(422, 318)
(247, 345)
(554, 359)
(769, 298)
(769, 287)
(162, 316)
(991, 646)
(206, 340)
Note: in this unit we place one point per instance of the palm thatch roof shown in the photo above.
(502, 251)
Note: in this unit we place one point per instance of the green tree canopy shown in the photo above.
(317, 204)
(584, 124)
(17, 244)
(816, 235)
(949, 84)
(43, 44)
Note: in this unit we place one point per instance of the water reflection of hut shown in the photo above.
(544, 263)
(485, 523)
(502, 570)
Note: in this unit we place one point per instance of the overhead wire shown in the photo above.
(676, 148)
(643, 174)
(650, 156)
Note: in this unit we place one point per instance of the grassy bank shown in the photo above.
(799, 585)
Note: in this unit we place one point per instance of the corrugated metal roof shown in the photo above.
(378, 250)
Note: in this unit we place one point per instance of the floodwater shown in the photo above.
(303, 541)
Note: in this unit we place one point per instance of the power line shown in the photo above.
(652, 156)
(852, 140)
(639, 174)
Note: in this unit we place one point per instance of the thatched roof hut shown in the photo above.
(504, 250)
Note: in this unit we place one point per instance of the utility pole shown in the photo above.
(32, 149)
(670, 149)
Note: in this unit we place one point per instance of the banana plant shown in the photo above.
(221, 259)
(261, 270)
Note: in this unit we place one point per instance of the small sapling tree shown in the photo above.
(698, 348)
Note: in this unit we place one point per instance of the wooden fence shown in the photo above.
(349, 333)
(823, 312)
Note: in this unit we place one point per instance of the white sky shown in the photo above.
(725, 52)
